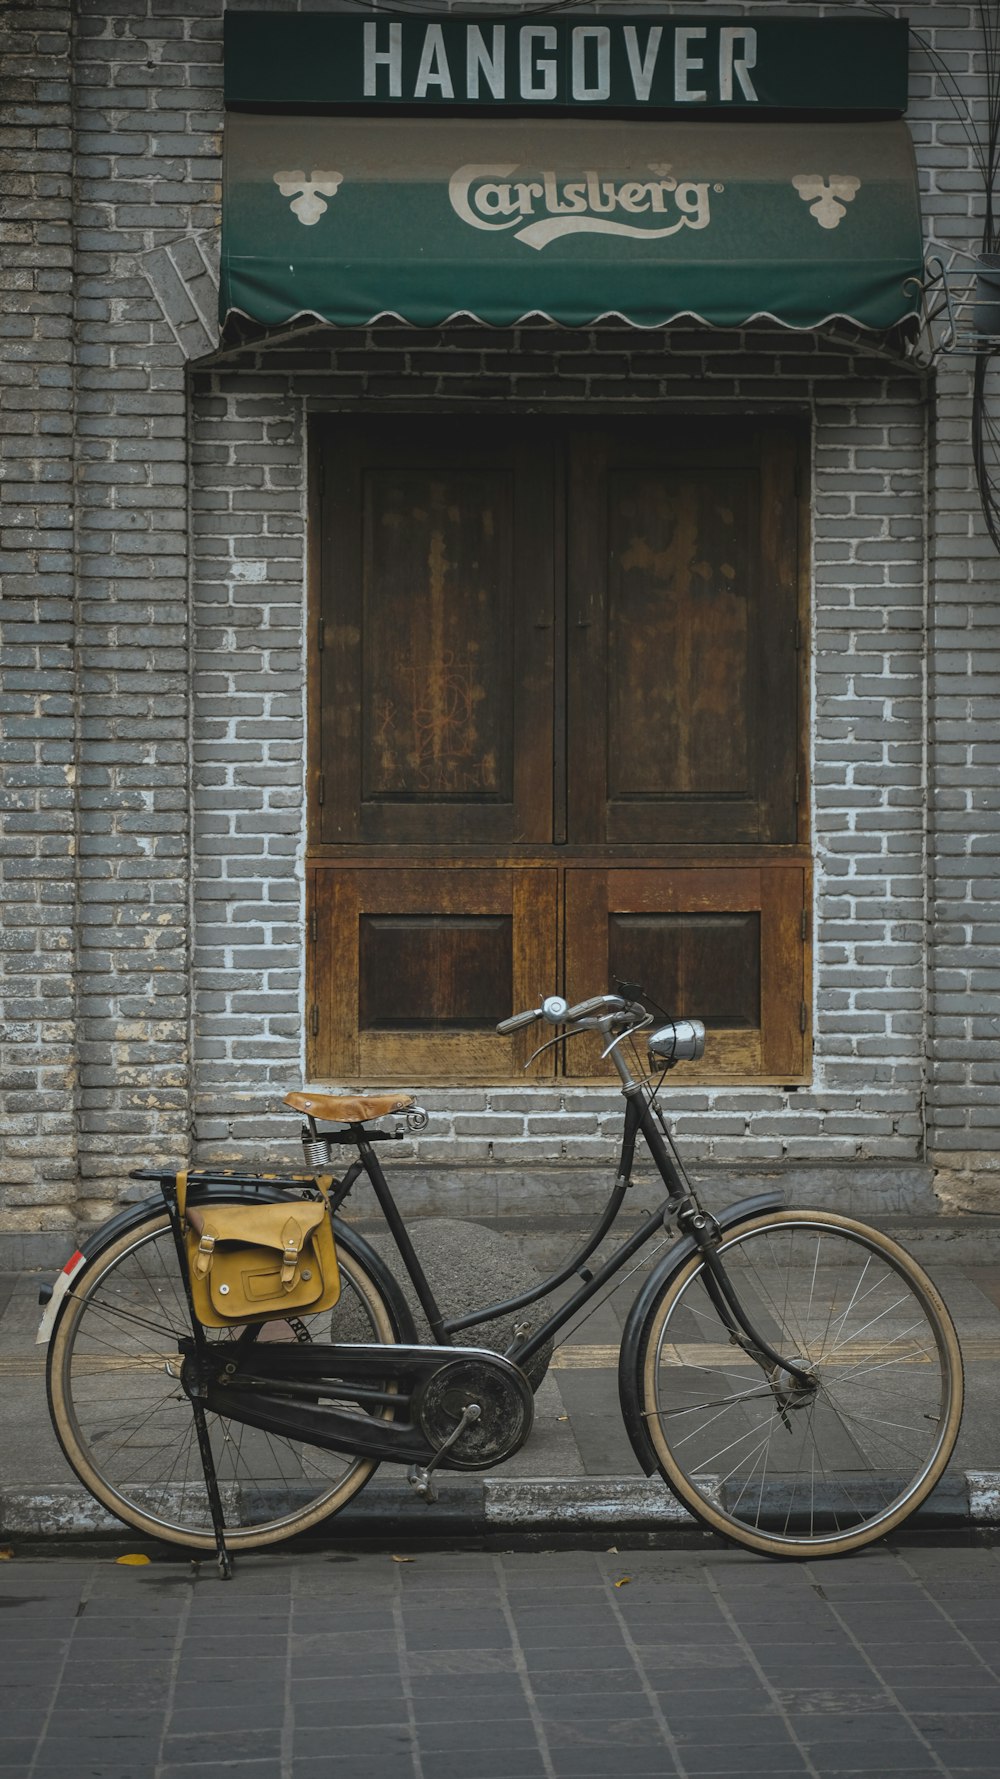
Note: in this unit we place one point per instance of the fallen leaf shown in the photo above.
(623, 1583)
(612, 1550)
(404, 1559)
(562, 1417)
(6, 1552)
(134, 1560)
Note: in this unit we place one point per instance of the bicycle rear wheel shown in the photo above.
(795, 1470)
(126, 1425)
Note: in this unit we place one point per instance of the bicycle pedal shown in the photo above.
(421, 1481)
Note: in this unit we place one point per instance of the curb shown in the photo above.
(567, 1509)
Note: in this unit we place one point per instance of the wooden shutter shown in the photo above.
(437, 634)
(683, 589)
(718, 943)
(415, 968)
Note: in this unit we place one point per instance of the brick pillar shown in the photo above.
(37, 843)
(964, 1074)
(148, 111)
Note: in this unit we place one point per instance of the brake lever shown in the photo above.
(560, 1038)
(629, 1032)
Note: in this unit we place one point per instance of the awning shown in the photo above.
(351, 219)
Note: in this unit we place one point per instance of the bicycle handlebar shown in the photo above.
(556, 1011)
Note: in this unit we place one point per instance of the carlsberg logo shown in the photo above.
(543, 208)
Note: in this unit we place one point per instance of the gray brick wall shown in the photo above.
(38, 1160)
(152, 551)
(963, 1033)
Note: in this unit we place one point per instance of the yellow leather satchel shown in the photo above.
(257, 1262)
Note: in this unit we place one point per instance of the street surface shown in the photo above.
(519, 1665)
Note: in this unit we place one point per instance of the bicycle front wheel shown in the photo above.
(803, 1469)
(126, 1425)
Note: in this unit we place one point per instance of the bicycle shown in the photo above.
(793, 1375)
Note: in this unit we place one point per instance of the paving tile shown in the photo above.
(508, 1707)
(226, 1745)
(330, 1767)
(594, 1763)
(471, 1740)
(610, 1734)
(502, 1764)
(577, 1659)
(351, 1713)
(598, 1681)
(248, 1769)
(726, 1757)
(461, 1661)
(747, 1729)
(365, 1744)
(232, 1694)
(575, 1706)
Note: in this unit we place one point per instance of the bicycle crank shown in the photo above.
(463, 1440)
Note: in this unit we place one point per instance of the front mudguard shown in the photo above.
(629, 1390)
(131, 1216)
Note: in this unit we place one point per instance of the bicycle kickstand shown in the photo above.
(212, 1487)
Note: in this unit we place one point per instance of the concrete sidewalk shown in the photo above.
(570, 1664)
(577, 1476)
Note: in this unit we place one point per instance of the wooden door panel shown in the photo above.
(683, 591)
(680, 592)
(437, 627)
(707, 962)
(437, 619)
(722, 944)
(412, 969)
(434, 972)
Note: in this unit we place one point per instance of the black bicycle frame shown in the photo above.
(305, 1373)
(678, 1203)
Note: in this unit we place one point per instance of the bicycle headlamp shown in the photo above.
(682, 1040)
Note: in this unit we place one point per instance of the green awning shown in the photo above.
(351, 219)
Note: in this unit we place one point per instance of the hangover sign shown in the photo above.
(681, 66)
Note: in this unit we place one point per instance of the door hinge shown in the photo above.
(803, 1017)
(320, 631)
(795, 794)
(313, 926)
(803, 924)
(321, 788)
(314, 1020)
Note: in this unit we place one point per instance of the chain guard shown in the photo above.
(504, 1397)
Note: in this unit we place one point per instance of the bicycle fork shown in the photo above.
(692, 1221)
(741, 1330)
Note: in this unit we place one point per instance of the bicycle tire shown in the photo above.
(126, 1426)
(865, 1445)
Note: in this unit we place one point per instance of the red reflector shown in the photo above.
(73, 1261)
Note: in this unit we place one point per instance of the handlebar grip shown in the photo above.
(517, 1020)
(610, 1003)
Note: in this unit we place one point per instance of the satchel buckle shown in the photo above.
(203, 1256)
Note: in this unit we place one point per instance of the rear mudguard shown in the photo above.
(673, 1260)
(130, 1216)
